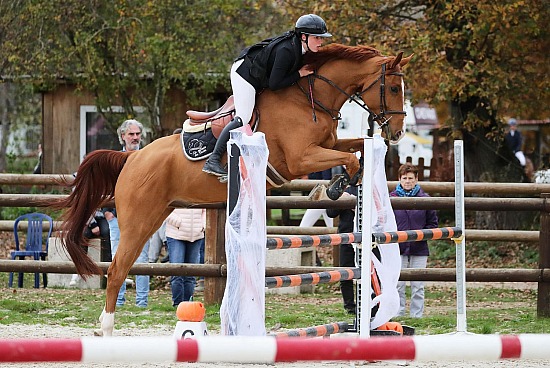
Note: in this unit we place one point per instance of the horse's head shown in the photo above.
(374, 80)
(385, 95)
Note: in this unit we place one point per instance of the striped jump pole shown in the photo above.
(416, 235)
(315, 331)
(269, 350)
(303, 241)
(315, 278)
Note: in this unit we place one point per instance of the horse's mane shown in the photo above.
(338, 51)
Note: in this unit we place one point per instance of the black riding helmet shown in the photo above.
(312, 24)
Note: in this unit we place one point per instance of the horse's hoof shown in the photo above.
(334, 193)
(337, 185)
(317, 193)
(98, 333)
(335, 179)
(358, 176)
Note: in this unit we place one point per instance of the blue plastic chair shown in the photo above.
(34, 244)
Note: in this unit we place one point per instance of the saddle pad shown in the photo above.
(193, 128)
(199, 145)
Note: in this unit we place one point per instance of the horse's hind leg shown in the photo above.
(136, 227)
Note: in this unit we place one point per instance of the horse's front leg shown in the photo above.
(318, 159)
(351, 145)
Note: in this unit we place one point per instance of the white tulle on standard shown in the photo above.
(242, 311)
(388, 267)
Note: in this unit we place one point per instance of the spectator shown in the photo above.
(157, 241)
(347, 253)
(184, 237)
(130, 134)
(38, 167)
(514, 141)
(413, 254)
(200, 280)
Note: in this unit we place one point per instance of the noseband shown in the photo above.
(382, 118)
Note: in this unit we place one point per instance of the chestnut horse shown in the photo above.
(300, 134)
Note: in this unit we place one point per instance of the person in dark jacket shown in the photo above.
(347, 253)
(413, 254)
(274, 64)
(514, 141)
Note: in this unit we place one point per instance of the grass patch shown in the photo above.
(489, 310)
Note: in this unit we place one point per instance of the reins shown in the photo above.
(380, 118)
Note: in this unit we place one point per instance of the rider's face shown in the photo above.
(313, 42)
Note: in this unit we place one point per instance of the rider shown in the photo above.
(276, 64)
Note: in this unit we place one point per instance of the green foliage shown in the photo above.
(130, 53)
(20, 114)
(442, 252)
(11, 213)
(17, 164)
(485, 254)
(15, 306)
(486, 59)
(490, 310)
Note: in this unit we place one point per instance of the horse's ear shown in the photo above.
(397, 60)
(406, 60)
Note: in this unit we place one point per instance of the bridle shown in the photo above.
(382, 118)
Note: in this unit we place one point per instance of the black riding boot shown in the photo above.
(213, 165)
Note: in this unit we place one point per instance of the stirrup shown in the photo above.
(213, 169)
(211, 172)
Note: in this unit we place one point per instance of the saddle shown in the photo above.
(214, 120)
(201, 129)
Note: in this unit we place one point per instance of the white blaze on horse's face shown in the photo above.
(392, 115)
(404, 130)
(401, 133)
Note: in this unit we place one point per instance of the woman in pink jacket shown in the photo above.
(184, 238)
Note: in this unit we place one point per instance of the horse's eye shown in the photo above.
(394, 89)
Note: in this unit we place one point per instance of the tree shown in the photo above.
(486, 59)
(130, 51)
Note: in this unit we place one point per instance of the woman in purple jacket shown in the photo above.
(413, 254)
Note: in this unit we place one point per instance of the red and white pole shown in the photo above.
(254, 349)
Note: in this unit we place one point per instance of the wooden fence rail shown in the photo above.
(302, 202)
(220, 271)
(506, 201)
(513, 189)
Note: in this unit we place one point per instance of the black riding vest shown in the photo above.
(274, 66)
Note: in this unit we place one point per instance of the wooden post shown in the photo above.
(214, 287)
(543, 294)
(421, 168)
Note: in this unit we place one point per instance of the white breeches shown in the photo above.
(521, 158)
(243, 93)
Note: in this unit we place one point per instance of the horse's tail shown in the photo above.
(93, 185)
